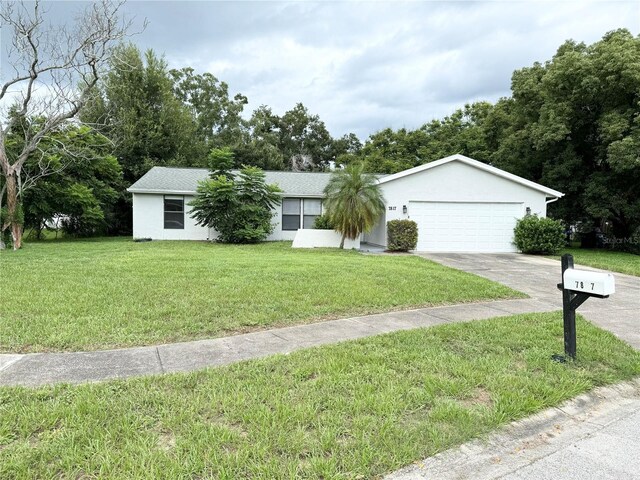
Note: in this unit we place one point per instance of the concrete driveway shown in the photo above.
(538, 277)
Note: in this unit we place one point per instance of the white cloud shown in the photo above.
(364, 66)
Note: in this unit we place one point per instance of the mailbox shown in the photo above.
(591, 283)
(577, 286)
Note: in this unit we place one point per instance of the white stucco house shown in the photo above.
(459, 204)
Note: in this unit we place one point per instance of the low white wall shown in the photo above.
(309, 238)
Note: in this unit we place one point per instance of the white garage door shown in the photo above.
(465, 227)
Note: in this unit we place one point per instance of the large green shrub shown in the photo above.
(402, 235)
(323, 222)
(238, 208)
(539, 235)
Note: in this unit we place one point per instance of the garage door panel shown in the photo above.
(465, 227)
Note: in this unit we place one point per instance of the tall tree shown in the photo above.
(259, 146)
(389, 151)
(573, 124)
(461, 132)
(54, 71)
(346, 149)
(137, 109)
(304, 140)
(218, 116)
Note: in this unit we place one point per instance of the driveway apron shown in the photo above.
(538, 277)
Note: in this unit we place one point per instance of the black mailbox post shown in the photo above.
(577, 286)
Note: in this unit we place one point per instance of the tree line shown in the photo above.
(571, 123)
(156, 116)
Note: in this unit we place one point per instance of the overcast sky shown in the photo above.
(364, 66)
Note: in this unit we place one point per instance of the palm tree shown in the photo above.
(353, 201)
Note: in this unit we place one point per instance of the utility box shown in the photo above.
(592, 283)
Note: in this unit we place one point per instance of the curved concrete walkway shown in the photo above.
(535, 276)
(77, 367)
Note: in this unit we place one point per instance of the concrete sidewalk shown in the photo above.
(78, 367)
(596, 435)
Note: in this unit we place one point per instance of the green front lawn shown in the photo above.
(352, 410)
(606, 259)
(84, 295)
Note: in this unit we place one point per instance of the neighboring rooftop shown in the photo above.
(185, 181)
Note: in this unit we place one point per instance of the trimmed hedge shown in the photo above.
(402, 235)
(540, 236)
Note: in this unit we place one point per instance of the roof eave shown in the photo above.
(160, 192)
(189, 192)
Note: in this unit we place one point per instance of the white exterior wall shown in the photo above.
(148, 221)
(278, 233)
(452, 182)
(378, 234)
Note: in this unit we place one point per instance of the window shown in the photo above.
(290, 213)
(312, 208)
(300, 213)
(173, 212)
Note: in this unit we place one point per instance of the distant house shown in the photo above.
(459, 204)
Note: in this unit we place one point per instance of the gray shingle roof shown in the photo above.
(185, 181)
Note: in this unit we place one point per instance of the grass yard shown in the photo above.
(87, 295)
(606, 259)
(357, 409)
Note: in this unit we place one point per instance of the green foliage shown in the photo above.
(353, 201)
(389, 151)
(85, 217)
(304, 140)
(81, 184)
(137, 109)
(539, 235)
(348, 144)
(297, 140)
(240, 209)
(323, 222)
(402, 235)
(260, 145)
(221, 162)
(570, 123)
(218, 117)
(148, 124)
(571, 126)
